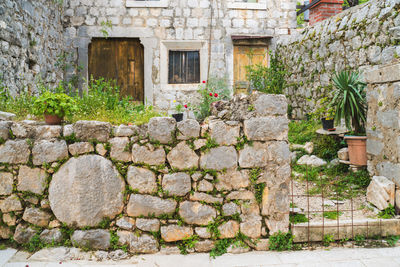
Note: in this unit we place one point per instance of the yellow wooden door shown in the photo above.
(244, 55)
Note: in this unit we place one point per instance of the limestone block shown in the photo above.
(125, 223)
(5, 232)
(205, 186)
(53, 236)
(144, 154)
(46, 151)
(125, 130)
(5, 130)
(182, 157)
(162, 129)
(343, 154)
(177, 184)
(89, 130)
(275, 199)
(312, 161)
(101, 150)
(251, 226)
(6, 116)
(138, 244)
(196, 196)
(150, 225)
(196, 213)
(80, 148)
(202, 232)
(95, 239)
(172, 233)
(232, 180)
(230, 208)
(120, 149)
(267, 105)
(219, 158)
(23, 233)
(228, 229)
(145, 205)
(188, 129)
(204, 246)
(48, 131)
(85, 190)
(32, 180)
(253, 156)
(6, 183)
(68, 130)
(224, 134)
(37, 217)
(266, 128)
(14, 152)
(11, 203)
(241, 195)
(142, 179)
(381, 192)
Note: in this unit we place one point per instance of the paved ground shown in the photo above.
(385, 257)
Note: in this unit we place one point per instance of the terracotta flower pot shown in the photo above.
(357, 149)
(52, 119)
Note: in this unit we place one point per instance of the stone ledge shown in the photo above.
(383, 74)
(364, 227)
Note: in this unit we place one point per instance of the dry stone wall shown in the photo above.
(383, 121)
(99, 186)
(31, 39)
(357, 38)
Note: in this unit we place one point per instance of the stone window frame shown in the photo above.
(146, 3)
(261, 4)
(184, 45)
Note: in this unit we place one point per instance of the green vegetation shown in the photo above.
(187, 243)
(387, 213)
(281, 241)
(222, 245)
(58, 104)
(392, 240)
(326, 147)
(297, 218)
(332, 215)
(328, 239)
(270, 80)
(102, 101)
(301, 132)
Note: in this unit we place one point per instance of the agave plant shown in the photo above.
(350, 100)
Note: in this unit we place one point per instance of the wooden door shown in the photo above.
(245, 55)
(119, 59)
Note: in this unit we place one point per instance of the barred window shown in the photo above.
(184, 67)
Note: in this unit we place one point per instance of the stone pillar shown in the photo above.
(324, 9)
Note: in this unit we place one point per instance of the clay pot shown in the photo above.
(52, 119)
(357, 150)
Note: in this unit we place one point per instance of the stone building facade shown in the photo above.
(206, 27)
(31, 43)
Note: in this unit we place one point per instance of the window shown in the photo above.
(183, 67)
(146, 3)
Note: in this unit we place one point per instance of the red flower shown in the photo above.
(204, 81)
(216, 95)
(185, 106)
(210, 94)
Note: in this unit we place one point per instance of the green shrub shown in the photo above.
(281, 241)
(302, 131)
(297, 218)
(270, 80)
(387, 213)
(326, 147)
(58, 104)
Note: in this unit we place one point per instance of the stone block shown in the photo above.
(125, 223)
(120, 150)
(92, 130)
(125, 130)
(138, 244)
(142, 179)
(219, 158)
(251, 226)
(182, 157)
(11, 203)
(53, 236)
(343, 154)
(224, 134)
(202, 232)
(15, 152)
(232, 180)
(95, 239)
(5, 130)
(147, 205)
(150, 225)
(230, 208)
(266, 128)
(196, 196)
(204, 246)
(381, 192)
(23, 233)
(196, 213)
(228, 229)
(172, 233)
(151, 156)
(48, 131)
(37, 217)
(6, 183)
(267, 105)
(162, 129)
(177, 184)
(80, 148)
(32, 180)
(6, 116)
(47, 151)
(188, 129)
(312, 161)
(255, 155)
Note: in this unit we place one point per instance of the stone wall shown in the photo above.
(177, 25)
(31, 39)
(383, 123)
(355, 39)
(90, 183)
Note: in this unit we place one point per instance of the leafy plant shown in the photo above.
(187, 243)
(359, 240)
(259, 189)
(326, 147)
(325, 110)
(281, 241)
(179, 108)
(213, 90)
(58, 104)
(350, 100)
(270, 80)
(328, 239)
(333, 215)
(297, 218)
(105, 26)
(302, 131)
(387, 213)
(392, 240)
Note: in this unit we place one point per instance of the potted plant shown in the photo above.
(179, 115)
(350, 102)
(54, 107)
(326, 113)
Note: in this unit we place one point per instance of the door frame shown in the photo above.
(149, 43)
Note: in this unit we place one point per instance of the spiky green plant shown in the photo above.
(350, 100)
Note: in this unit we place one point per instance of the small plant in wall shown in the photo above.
(54, 107)
(350, 103)
(105, 27)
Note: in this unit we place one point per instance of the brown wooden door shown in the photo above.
(245, 55)
(119, 59)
